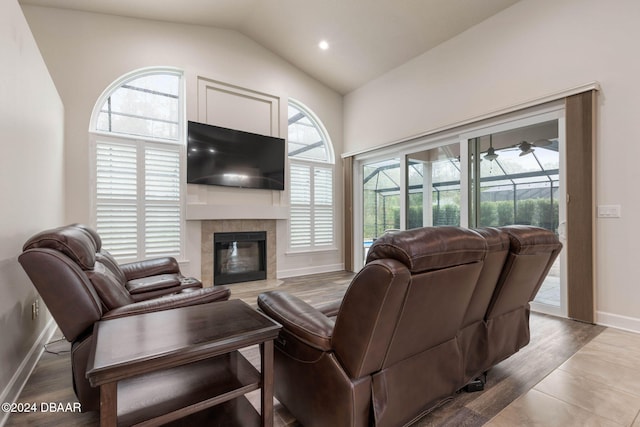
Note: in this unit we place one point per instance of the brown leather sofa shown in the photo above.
(80, 283)
(431, 309)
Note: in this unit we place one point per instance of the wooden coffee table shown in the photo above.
(161, 367)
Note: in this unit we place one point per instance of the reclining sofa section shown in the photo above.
(81, 283)
(431, 310)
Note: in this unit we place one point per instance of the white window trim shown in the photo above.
(141, 72)
(330, 164)
(95, 135)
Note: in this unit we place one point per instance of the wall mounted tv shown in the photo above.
(234, 158)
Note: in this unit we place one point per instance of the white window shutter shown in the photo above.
(323, 206)
(116, 198)
(138, 205)
(300, 220)
(162, 224)
(311, 221)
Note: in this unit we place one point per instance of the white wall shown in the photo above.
(86, 52)
(532, 49)
(31, 187)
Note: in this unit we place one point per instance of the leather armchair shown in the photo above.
(142, 280)
(391, 354)
(80, 284)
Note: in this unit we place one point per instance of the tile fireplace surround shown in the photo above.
(208, 227)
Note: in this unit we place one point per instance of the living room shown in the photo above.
(58, 63)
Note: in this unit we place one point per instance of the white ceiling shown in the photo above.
(367, 37)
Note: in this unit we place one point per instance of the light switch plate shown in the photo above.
(609, 211)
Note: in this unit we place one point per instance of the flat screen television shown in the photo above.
(234, 158)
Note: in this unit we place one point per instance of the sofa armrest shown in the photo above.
(330, 309)
(182, 299)
(153, 283)
(299, 318)
(150, 267)
(175, 282)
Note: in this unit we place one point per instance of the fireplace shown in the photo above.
(211, 227)
(239, 257)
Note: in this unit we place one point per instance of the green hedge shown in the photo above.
(537, 212)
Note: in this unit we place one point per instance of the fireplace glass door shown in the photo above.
(239, 257)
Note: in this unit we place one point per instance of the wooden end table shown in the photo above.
(161, 367)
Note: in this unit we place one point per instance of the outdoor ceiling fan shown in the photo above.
(491, 152)
(528, 147)
(525, 148)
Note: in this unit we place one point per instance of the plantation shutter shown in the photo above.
(137, 224)
(162, 201)
(116, 198)
(311, 219)
(323, 206)
(300, 221)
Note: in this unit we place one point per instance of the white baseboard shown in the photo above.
(19, 379)
(295, 272)
(631, 324)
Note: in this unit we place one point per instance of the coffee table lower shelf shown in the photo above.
(211, 389)
(234, 413)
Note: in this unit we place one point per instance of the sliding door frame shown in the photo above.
(553, 112)
(580, 111)
(580, 132)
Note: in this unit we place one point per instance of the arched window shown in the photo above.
(137, 147)
(311, 171)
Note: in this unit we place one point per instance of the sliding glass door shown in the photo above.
(433, 187)
(494, 175)
(381, 181)
(515, 179)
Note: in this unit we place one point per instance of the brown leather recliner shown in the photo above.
(392, 352)
(496, 324)
(431, 309)
(80, 284)
(472, 337)
(532, 252)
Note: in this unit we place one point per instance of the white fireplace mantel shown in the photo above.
(203, 212)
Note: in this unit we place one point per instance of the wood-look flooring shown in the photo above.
(553, 341)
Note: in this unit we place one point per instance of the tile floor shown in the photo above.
(597, 386)
(549, 292)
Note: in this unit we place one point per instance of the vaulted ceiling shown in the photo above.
(366, 38)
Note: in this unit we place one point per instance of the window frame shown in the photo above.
(140, 143)
(329, 164)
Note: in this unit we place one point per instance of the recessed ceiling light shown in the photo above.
(324, 45)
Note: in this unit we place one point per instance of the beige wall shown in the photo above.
(31, 185)
(86, 52)
(532, 49)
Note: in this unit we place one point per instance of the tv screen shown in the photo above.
(234, 158)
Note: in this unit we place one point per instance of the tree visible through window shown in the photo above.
(311, 182)
(137, 144)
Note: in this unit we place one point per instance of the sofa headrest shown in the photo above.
(92, 233)
(528, 240)
(497, 240)
(430, 248)
(72, 241)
